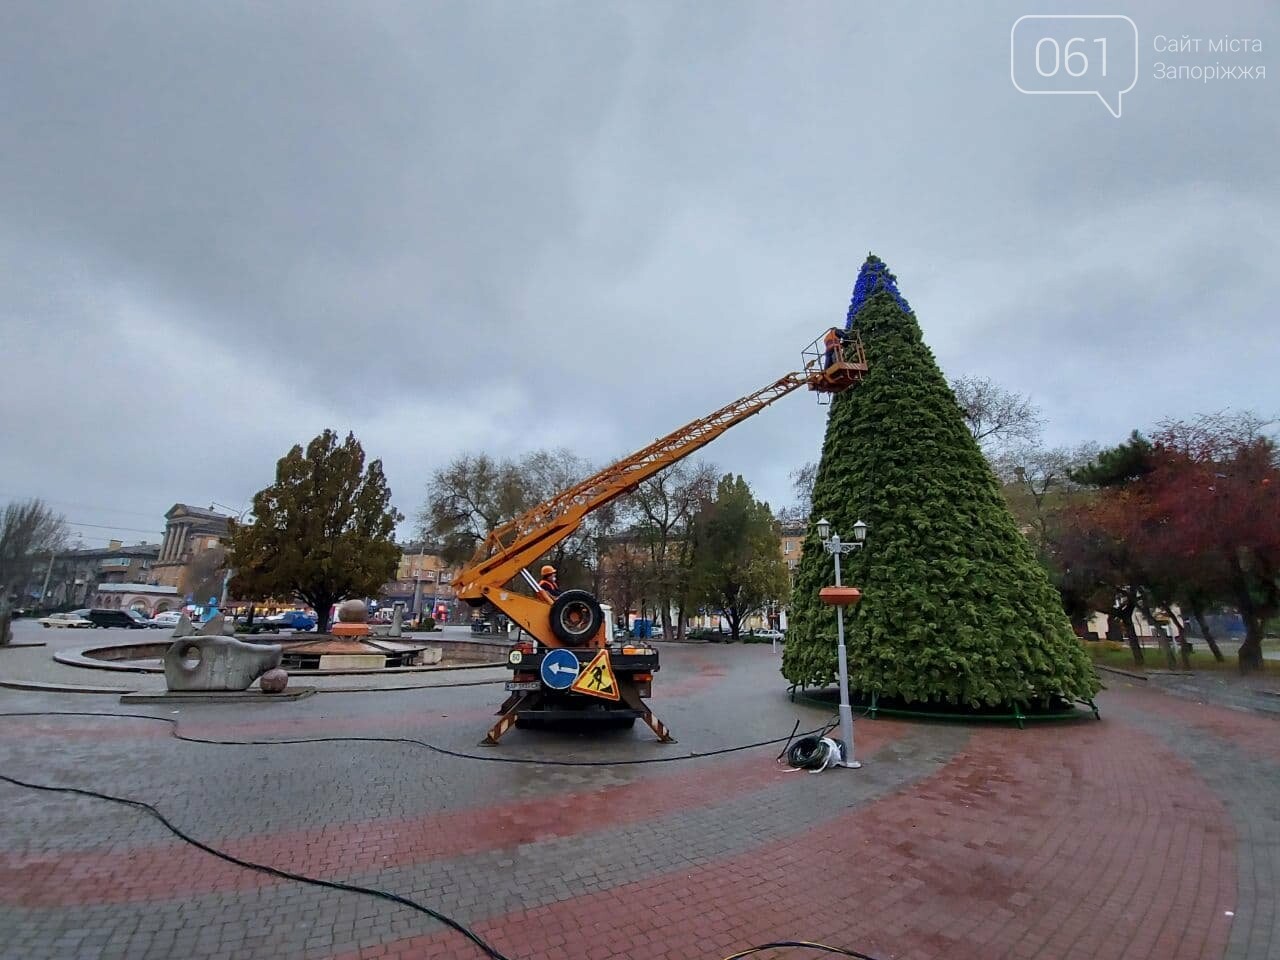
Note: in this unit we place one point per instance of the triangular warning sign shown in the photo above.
(597, 679)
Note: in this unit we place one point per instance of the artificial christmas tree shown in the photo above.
(956, 610)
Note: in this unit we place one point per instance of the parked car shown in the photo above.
(167, 619)
(292, 620)
(766, 636)
(71, 620)
(128, 619)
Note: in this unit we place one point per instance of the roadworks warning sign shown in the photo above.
(597, 679)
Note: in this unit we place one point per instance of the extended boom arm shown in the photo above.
(521, 541)
(516, 544)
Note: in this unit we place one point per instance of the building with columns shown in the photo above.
(188, 532)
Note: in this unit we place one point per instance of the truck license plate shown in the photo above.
(523, 685)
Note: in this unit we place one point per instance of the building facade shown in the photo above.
(189, 533)
(146, 598)
(791, 534)
(424, 584)
(76, 574)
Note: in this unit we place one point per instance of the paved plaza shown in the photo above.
(1153, 833)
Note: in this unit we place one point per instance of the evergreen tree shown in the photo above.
(737, 561)
(1118, 465)
(323, 532)
(955, 607)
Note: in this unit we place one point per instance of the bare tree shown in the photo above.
(665, 504)
(475, 493)
(467, 499)
(1036, 481)
(995, 416)
(30, 532)
(204, 574)
(802, 480)
(545, 473)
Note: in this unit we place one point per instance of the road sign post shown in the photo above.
(560, 668)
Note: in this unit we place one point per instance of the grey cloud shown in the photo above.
(451, 226)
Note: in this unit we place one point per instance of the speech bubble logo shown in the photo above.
(1075, 54)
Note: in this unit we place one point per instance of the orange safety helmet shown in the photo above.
(548, 570)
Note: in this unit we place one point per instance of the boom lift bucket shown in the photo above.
(846, 369)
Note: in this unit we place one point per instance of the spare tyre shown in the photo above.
(576, 617)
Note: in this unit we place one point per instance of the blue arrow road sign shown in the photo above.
(560, 668)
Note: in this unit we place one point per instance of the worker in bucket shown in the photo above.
(548, 584)
(832, 342)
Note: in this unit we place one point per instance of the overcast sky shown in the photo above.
(499, 226)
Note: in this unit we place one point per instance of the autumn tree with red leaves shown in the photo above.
(1099, 567)
(1189, 519)
(1215, 490)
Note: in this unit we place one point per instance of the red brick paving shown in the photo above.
(344, 848)
(1094, 842)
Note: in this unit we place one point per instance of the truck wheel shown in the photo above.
(575, 617)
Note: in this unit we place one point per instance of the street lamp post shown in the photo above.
(837, 549)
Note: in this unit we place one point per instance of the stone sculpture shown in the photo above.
(274, 681)
(395, 629)
(210, 661)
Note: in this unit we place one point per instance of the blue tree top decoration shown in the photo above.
(873, 278)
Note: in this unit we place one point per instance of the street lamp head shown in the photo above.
(859, 532)
(824, 529)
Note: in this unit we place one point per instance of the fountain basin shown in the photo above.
(148, 656)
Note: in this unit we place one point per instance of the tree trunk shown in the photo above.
(1131, 632)
(735, 624)
(667, 632)
(1184, 646)
(1211, 643)
(1162, 638)
(626, 611)
(680, 621)
(1250, 656)
(322, 606)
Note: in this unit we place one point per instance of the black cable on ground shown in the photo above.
(803, 945)
(448, 921)
(809, 753)
(178, 735)
(490, 951)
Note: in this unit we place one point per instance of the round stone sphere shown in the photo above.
(274, 681)
(352, 611)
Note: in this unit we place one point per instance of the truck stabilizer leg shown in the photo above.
(632, 699)
(506, 718)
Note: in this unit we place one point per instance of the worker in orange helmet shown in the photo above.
(548, 584)
(832, 343)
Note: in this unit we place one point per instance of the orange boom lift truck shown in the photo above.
(569, 668)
